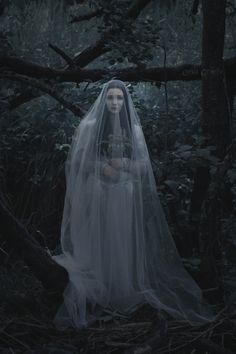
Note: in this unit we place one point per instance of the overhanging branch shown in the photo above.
(184, 72)
(45, 88)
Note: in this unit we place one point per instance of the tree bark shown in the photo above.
(215, 118)
(216, 131)
(184, 72)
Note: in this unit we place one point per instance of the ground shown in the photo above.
(27, 310)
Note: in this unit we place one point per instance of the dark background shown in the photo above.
(178, 59)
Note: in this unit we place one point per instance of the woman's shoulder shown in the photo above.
(138, 130)
(86, 124)
(82, 131)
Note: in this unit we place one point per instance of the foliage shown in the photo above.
(36, 136)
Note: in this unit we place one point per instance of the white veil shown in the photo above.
(116, 244)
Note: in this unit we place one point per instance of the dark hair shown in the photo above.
(125, 125)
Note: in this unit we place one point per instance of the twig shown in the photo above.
(29, 324)
(117, 344)
(1, 249)
(167, 349)
(195, 6)
(137, 324)
(16, 340)
(213, 347)
(6, 324)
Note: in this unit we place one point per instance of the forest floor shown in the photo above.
(27, 310)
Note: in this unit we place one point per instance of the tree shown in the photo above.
(47, 79)
(216, 131)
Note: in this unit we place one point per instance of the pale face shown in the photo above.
(114, 100)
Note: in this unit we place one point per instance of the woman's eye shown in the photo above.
(110, 97)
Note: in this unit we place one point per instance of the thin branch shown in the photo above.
(195, 6)
(90, 53)
(99, 48)
(45, 88)
(86, 16)
(14, 101)
(59, 51)
(137, 7)
(81, 1)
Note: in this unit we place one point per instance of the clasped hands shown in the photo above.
(112, 168)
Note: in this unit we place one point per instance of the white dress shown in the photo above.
(116, 244)
(106, 263)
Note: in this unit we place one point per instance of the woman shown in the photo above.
(116, 244)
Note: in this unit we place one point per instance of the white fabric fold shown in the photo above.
(116, 244)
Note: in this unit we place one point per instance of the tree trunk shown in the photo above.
(215, 119)
(216, 131)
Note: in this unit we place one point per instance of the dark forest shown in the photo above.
(178, 59)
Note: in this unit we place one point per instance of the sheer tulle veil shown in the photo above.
(115, 241)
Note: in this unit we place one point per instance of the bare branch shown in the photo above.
(86, 16)
(14, 101)
(99, 48)
(45, 88)
(195, 6)
(90, 53)
(59, 51)
(136, 8)
(184, 72)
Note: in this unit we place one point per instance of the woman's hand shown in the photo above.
(116, 163)
(119, 163)
(108, 171)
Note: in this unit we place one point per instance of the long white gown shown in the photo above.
(116, 244)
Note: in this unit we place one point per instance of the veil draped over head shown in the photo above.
(116, 244)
